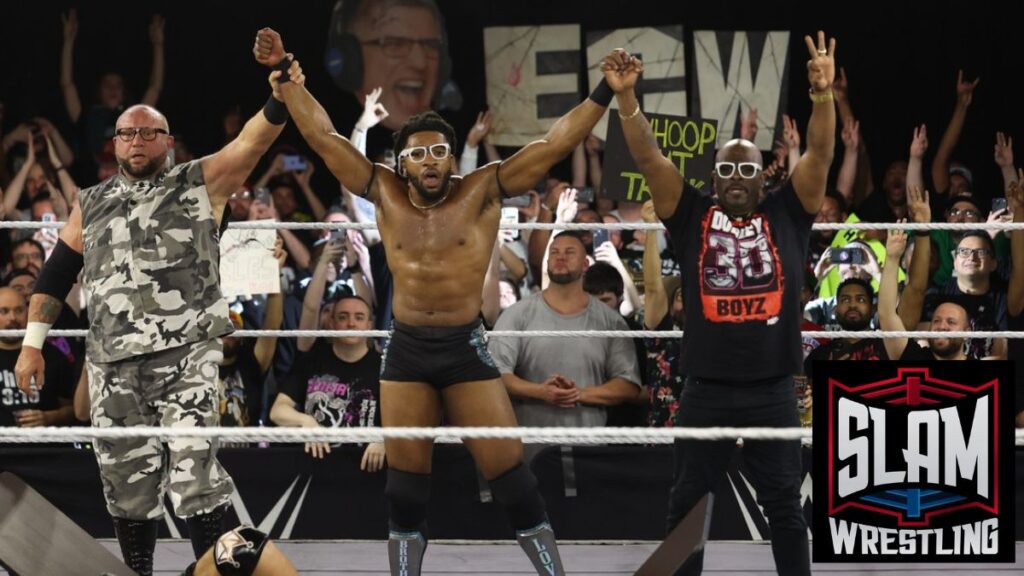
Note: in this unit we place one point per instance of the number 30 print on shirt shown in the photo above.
(741, 276)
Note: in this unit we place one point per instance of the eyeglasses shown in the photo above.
(241, 195)
(400, 46)
(966, 213)
(25, 256)
(747, 169)
(419, 153)
(148, 134)
(972, 252)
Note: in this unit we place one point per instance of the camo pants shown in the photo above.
(171, 388)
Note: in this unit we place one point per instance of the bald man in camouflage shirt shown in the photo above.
(147, 241)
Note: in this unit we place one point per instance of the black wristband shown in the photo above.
(275, 111)
(602, 94)
(922, 233)
(283, 67)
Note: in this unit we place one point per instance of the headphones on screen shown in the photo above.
(344, 55)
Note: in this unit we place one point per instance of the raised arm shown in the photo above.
(791, 137)
(848, 169)
(940, 166)
(522, 170)
(887, 293)
(915, 164)
(1015, 198)
(156, 73)
(912, 299)
(266, 345)
(656, 304)
(810, 176)
(311, 302)
(663, 177)
(72, 103)
(1004, 158)
(344, 160)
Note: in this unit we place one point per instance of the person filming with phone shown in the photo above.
(855, 260)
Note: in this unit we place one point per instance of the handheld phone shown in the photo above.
(521, 201)
(294, 163)
(338, 236)
(585, 195)
(848, 256)
(49, 217)
(998, 204)
(601, 236)
(510, 215)
(262, 195)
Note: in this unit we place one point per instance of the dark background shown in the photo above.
(901, 59)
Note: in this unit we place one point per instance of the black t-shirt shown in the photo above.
(741, 286)
(60, 383)
(915, 351)
(868, 349)
(337, 393)
(240, 388)
(1015, 353)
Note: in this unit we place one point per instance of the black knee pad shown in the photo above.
(407, 494)
(516, 490)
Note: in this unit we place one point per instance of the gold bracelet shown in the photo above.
(633, 115)
(820, 97)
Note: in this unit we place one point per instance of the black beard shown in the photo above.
(428, 194)
(146, 171)
(857, 326)
(564, 278)
(956, 345)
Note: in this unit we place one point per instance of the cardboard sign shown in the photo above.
(689, 143)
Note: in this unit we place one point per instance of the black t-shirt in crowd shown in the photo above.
(867, 349)
(915, 351)
(741, 286)
(336, 393)
(1015, 354)
(60, 380)
(240, 388)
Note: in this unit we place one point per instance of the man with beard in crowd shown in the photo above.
(949, 316)
(855, 307)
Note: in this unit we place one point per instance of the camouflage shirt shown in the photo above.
(152, 264)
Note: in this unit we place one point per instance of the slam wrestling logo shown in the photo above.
(913, 463)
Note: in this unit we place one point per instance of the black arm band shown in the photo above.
(602, 94)
(60, 272)
(275, 111)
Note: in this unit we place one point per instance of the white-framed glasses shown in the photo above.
(419, 153)
(747, 169)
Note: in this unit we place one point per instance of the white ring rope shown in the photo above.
(272, 225)
(825, 334)
(553, 435)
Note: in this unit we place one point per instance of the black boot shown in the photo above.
(138, 540)
(204, 529)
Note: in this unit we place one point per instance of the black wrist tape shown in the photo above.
(60, 272)
(602, 94)
(275, 111)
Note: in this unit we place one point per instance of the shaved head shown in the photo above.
(143, 112)
(139, 158)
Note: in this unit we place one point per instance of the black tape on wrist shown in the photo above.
(283, 67)
(60, 272)
(275, 111)
(602, 94)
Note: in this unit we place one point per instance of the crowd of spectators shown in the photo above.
(538, 280)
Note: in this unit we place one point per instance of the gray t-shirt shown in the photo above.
(586, 361)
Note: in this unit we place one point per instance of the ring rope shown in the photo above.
(529, 435)
(825, 334)
(271, 225)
